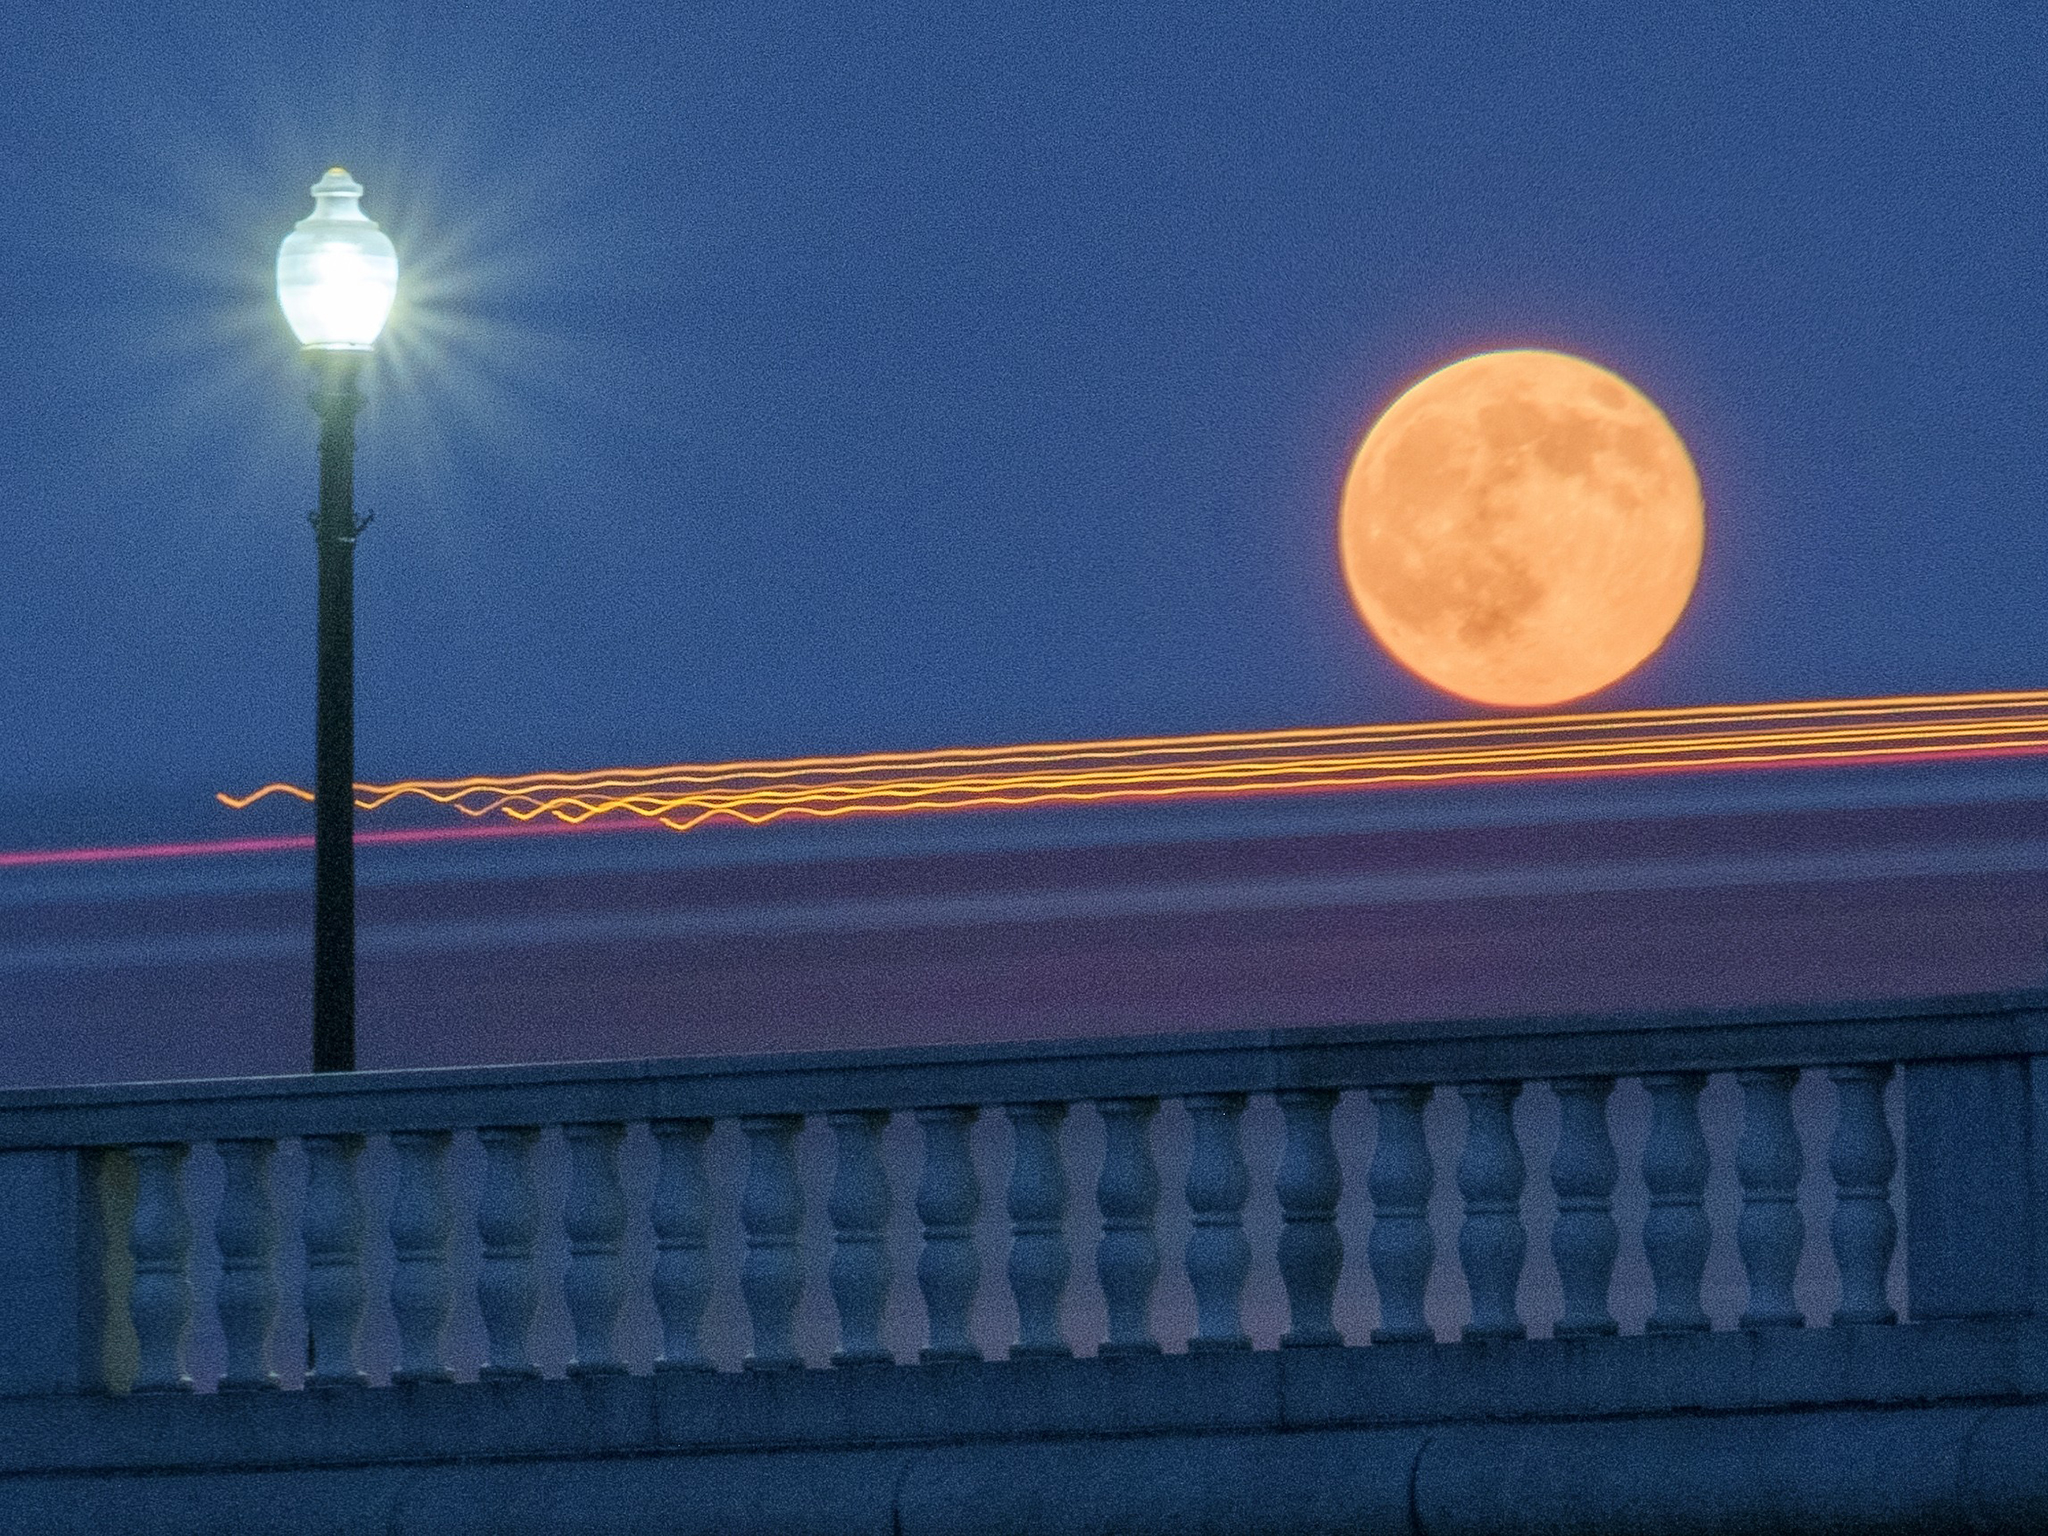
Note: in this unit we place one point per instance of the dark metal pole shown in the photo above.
(336, 399)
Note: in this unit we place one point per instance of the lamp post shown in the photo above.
(336, 276)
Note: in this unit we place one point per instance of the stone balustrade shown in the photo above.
(506, 1202)
(510, 1113)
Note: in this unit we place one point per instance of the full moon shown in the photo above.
(1521, 528)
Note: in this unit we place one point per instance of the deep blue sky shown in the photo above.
(783, 379)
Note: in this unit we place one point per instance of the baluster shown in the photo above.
(594, 1220)
(419, 1253)
(682, 1267)
(1862, 1161)
(1127, 1195)
(1675, 1232)
(1218, 1257)
(1402, 1248)
(1582, 1172)
(246, 1233)
(1771, 1231)
(1039, 1264)
(859, 1208)
(507, 1221)
(949, 1267)
(332, 1225)
(1491, 1242)
(772, 1212)
(1309, 1184)
(160, 1241)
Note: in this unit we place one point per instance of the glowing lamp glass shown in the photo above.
(336, 271)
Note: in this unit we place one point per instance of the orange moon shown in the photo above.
(1522, 528)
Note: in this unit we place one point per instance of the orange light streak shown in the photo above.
(755, 792)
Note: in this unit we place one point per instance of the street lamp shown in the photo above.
(336, 276)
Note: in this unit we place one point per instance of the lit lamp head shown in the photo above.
(336, 271)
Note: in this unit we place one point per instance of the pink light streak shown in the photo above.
(32, 858)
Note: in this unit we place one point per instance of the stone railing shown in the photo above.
(465, 1269)
(130, 1147)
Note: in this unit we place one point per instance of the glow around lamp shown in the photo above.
(336, 271)
(336, 277)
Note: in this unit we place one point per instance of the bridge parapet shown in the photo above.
(466, 1216)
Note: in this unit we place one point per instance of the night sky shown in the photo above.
(779, 380)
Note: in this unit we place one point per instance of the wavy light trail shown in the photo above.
(1531, 747)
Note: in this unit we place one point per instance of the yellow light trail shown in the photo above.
(755, 792)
